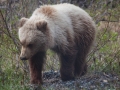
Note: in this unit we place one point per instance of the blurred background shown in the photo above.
(104, 58)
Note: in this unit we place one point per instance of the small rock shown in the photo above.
(105, 81)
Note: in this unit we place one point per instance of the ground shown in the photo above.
(95, 81)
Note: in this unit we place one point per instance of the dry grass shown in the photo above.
(114, 26)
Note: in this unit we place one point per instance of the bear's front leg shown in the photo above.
(35, 66)
(67, 67)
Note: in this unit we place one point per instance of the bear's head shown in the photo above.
(32, 36)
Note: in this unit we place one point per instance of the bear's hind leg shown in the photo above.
(80, 66)
(83, 50)
(67, 67)
(84, 43)
(35, 66)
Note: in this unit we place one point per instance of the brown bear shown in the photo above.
(64, 28)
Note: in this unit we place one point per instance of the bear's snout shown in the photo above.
(23, 58)
(25, 53)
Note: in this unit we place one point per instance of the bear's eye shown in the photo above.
(29, 45)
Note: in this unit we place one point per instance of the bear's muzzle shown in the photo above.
(23, 58)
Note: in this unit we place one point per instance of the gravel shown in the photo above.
(94, 81)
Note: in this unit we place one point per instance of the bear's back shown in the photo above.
(64, 20)
(70, 9)
(60, 10)
(77, 17)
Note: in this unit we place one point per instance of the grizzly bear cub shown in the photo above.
(64, 28)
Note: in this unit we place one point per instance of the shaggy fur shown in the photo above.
(64, 28)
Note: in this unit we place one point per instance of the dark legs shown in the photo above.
(80, 66)
(80, 62)
(72, 65)
(35, 65)
(67, 66)
(84, 44)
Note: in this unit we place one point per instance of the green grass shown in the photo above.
(11, 77)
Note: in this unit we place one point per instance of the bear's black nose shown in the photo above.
(23, 58)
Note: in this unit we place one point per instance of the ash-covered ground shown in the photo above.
(95, 81)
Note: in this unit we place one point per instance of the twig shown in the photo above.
(9, 34)
(5, 24)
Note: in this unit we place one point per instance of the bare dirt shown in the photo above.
(94, 81)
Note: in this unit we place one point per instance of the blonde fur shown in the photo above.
(66, 29)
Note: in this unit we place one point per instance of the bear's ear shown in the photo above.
(22, 21)
(41, 25)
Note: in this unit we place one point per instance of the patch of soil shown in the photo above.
(95, 81)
